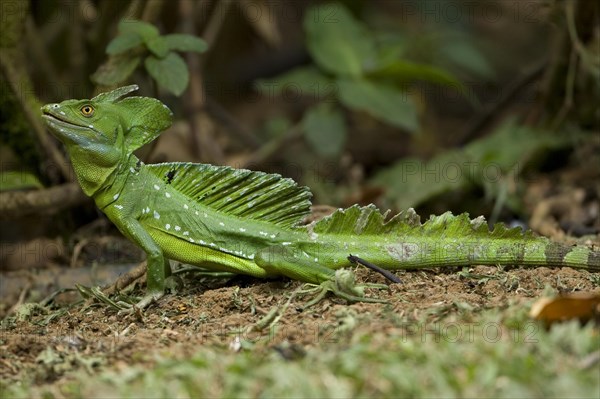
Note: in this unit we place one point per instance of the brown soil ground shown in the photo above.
(223, 313)
(203, 315)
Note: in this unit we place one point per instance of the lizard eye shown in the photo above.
(87, 110)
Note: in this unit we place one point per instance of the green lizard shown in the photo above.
(247, 222)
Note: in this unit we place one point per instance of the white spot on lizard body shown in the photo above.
(167, 226)
(311, 233)
(167, 195)
(242, 229)
(156, 187)
(156, 215)
(119, 206)
(477, 222)
(185, 206)
(116, 196)
(403, 251)
(177, 228)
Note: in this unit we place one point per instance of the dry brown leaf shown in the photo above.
(578, 305)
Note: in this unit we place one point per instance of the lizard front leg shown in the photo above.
(158, 267)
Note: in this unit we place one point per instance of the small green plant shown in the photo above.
(354, 68)
(18, 180)
(494, 163)
(139, 41)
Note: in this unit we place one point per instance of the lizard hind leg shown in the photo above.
(294, 263)
(343, 285)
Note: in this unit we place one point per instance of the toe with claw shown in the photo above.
(344, 286)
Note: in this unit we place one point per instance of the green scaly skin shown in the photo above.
(247, 222)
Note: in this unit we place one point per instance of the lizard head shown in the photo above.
(82, 122)
(101, 133)
(108, 119)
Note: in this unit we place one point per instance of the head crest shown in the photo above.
(145, 118)
(114, 95)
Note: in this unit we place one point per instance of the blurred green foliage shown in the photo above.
(353, 69)
(380, 85)
(491, 163)
(137, 41)
(494, 353)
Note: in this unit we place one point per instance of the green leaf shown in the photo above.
(306, 81)
(507, 151)
(143, 29)
(487, 162)
(404, 72)
(325, 130)
(384, 103)
(123, 42)
(170, 72)
(183, 42)
(511, 144)
(158, 46)
(466, 56)
(392, 46)
(13, 180)
(276, 126)
(116, 70)
(412, 181)
(338, 42)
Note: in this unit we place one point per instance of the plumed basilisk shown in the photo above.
(248, 222)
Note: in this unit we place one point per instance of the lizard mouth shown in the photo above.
(64, 130)
(56, 118)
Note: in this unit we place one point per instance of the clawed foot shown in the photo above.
(147, 300)
(343, 286)
(119, 304)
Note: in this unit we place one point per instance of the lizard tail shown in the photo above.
(403, 242)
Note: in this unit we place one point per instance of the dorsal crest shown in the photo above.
(238, 192)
